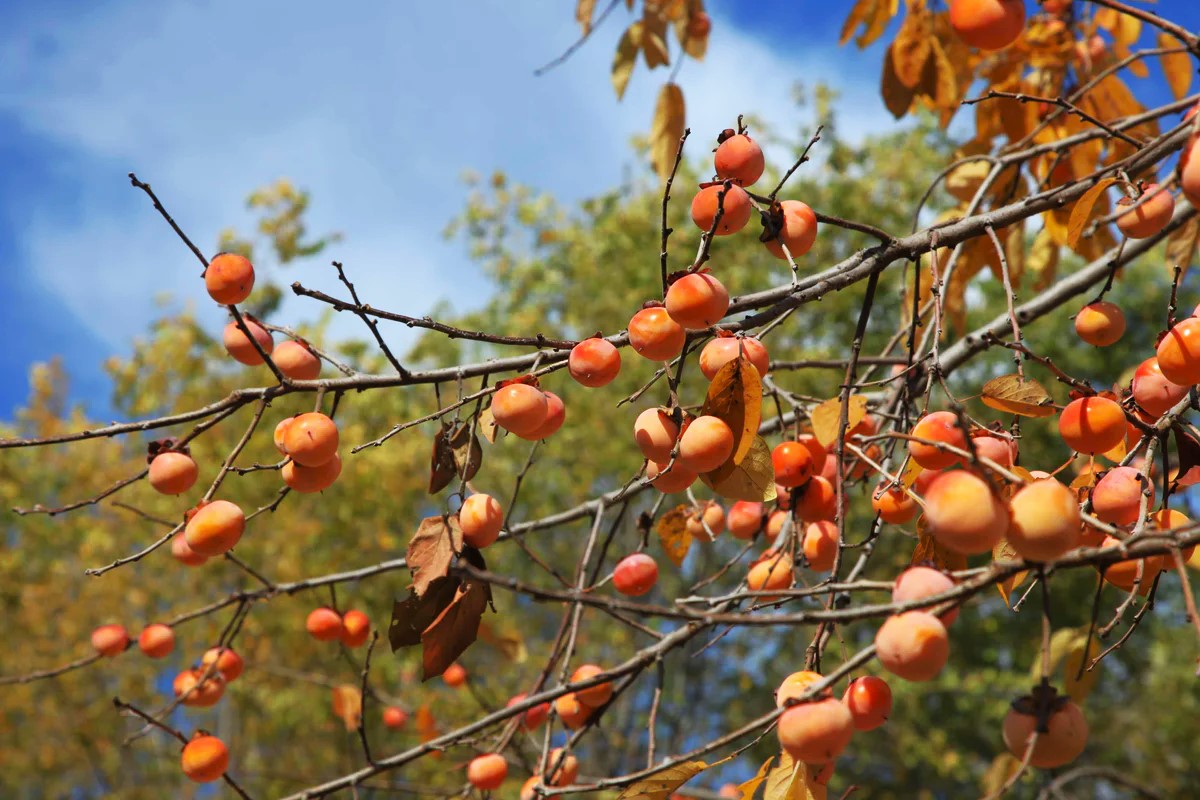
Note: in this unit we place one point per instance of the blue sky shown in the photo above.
(376, 108)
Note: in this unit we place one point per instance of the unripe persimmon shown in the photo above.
(1061, 743)
(654, 335)
(964, 513)
(481, 519)
(110, 640)
(723, 349)
(893, 504)
(988, 24)
(204, 759)
(229, 278)
(816, 732)
(799, 231)
(157, 640)
(229, 663)
(310, 480)
(574, 714)
(793, 464)
(311, 439)
(821, 545)
(594, 362)
(916, 583)
(913, 646)
(1092, 425)
(238, 345)
(215, 528)
(455, 675)
(676, 479)
(533, 717)
(1154, 393)
(487, 772)
(593, 696)
(297, 361)
(705, 444)
(745, 518)
(356, 628)
(556, 415)
(740, 159)
(1179, 353)
(1100, 324)
(184, 554)
(870, 702)
(1150, 214)
(324, 624)
(1117, 496)
(697, 301)
(1045, 520)
(736, 208)
(395, 717)
(939, 426)
(172, 472)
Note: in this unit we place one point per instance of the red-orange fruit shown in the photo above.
(730, 790)
(1117, 496)
(893, 504)
(705, 444)
(870, 702)
(157, 640)
(818, 500)
(593, 696)
(455, 675)
(192, 692)
(556, 415)
(238, 345)
(574, 714)
(772, 571)
(481, 519)
(1100, 324)
(919, 582)
(655, 433)
(280, 433)
(964, 513)
(215, 528)
(1045, 520)
(775, 523)
(988, 24)
(799, 231)
(819, 453)
(1092, 425)
(913, 646)
(229, 663)
(310, 480)
(110, 640)
(745, 518)
(654, 335)
(356, 628)
(529, 788)
(1189, 171)
(311, 439)
(697, 301)
(563, 768)
(520, 408)
(296, 361)
(1154, 393)
(940, 426)
(1151, 214)
(707, 522)
(793, 464)
(204, 759)
(394, 717)
(736, 208)
(821, 545)
(594, 362)
(533, 717)
(487, 772)
(184, 554)
(676, 479)
(172, 472)
(739, 158)
(229, 278)
(816, 732)
(1168, 519)
(1061, 743)
(1179, 353)
(796, 686)
(324, 624)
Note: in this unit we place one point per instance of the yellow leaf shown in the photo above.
(1012, 394)
(938, 82)
(911, 48)
(583, 14)
(673, 534)
(1062, 643)
(1125, 28)
(792, 781)
(1181, 245)
(929, 551)
(626, 58)
(488, 427)
(1176, 66)
(1005, 552)
(826, 418)
(877, 22)
(858, 15)
(753, 480)
(1043, 259)
(746, 790)
(1002, 768)
(692, 30)
(1083, 209)
(896, 96)
(965, 179)
(666, 130)
(663, 783)
(735, 397)
(1077, 686)
(347, 704)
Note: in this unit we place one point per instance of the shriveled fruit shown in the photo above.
(870, 702)
(487, 772)
(723, 349)
(1044, 521)
(593, 696)
(594, 362)
(310, 480)
(204, 759)
(324, 624)
(697, 301)
(297, 361)
(964, 514)
(239, 346)
(913, 645)
(1179, 351)
(110, 640)
(988, 24)
(654, 335)
(229, 278)
(821, 545)
(1092, 425)
(799, 231)
(1153, 210)
(816, 732)
(939, 427)
(481, 519)
(356, 628)
(215, 528)
(311, 439)
(520, 408)
(1100, 324)
(705, 444)
(1061, 743)
(919, 582)
(735, 207)
(157, 640)
(172, 472)
(739, 158)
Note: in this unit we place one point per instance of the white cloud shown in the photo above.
(375, 109)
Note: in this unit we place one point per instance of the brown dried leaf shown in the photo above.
(877, 21)
(1187, 457)
(694, 45)
(826, 418)
(667, 128)
(673, 533)
(347, 705)
(441, 462)
(1005, 552)
(896, 96)
(626, 58)
(456, 451)
(1176, 66)
(1013, 394)
(735, 397)
(412, 616)
(654, 39)
(663, 783)
(432, 549)
(929, 551)
(748, 788)
(1082, 209)
(449, 636)
(753, 480)
(488, 426)
(912, 47)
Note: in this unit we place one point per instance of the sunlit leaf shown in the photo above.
(663, 783)
(666, 130)
(1013, 394)
(1082, 209)
(735, 397)
(748, 788)
(347, 705)
(896, 96)
(826, 418)
(1177, 67)
(1005, 552)
(626, 58)
(584, 9)
(1182, 243)
(673, 534)
(792, 781)
(654, 39)
(753, 480)
(912, 47)
(1078, 686)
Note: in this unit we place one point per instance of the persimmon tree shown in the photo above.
(870, 377)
